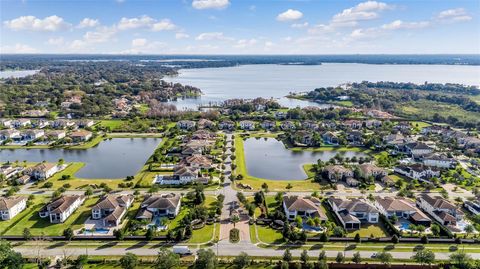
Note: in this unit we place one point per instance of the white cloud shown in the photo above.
(18, 48)
(32, 23)
(88, 23)
(363, 11)
(134, 23)
(139, 42)
(181, 36)
(210, 4)
(454, 15)
(321, 29)
(77, 45)
(101, 35)
(300, 25)
(244, 43)
(163, 25)
(398, 24)
(55, 41)
(212, 36)
(290, 15)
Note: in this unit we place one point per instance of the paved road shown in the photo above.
(223, 249)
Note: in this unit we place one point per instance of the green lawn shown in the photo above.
(39, 226)
(203, 235)
(269, 235)
(35, 207)
(367, 230)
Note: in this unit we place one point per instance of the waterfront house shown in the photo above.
(33, 134)
(111, 209)
(62, 124)
(330, 138)
(337, 173)
(85, 123)
(267, 124)
(81, 136)
(287, 125)
(9, 134)
(163, 205)
(355, 138)
(43, 171)
(60, 209)
(353, 212)
(8, 171)
(11, 206)
(305, 207)
(370, 170)
(56, 134)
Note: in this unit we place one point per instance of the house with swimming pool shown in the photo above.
(111, 209)
(353, 212)
(305, 207)
(404, 209)
(155, 207)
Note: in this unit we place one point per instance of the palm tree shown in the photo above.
(234, 219)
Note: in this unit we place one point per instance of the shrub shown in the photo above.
(234, 235)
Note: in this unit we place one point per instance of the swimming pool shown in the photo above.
(96, 231)
(405, 225)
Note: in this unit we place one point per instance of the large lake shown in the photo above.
(268, 158)
(250, 81)
(17, 73)
(113, 158)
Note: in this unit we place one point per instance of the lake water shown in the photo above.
(113, 158)
(17, 73)
(250, 81)
(268, 158)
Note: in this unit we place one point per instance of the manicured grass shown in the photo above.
(112, 124)
(269, 235)
(39, 226)
(308, 168)
(8, 224)
(92, 143)
(202, 235)
(377, 230)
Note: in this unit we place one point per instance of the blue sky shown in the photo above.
(239, 26)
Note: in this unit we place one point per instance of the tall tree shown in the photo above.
(129, 261)
(166, 259)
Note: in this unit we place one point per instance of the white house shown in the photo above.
(417, 171)
(56, 134)
(43, 171)
(247, 125)
(7, 123)
(439, 160)
(59, 209)
(473, 206)
(11, 206)
(337, 173)
(181, 175)
(81, 135)
(9, 134)
(21, 123)
(33, 134)
(226, 125)
(305, 207)
(353, 212)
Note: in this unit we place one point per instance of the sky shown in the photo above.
(240, 26)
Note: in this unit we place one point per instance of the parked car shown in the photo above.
(181, 250)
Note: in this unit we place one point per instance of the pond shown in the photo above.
(268, 158)
(112, 158)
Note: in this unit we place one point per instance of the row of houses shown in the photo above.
(34, 134)
(44, 123)
(22, 175)
(336, 173)
(110, 210)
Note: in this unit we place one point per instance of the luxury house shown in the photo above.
(369, 170)
(417, 171)
(111, 209)
(43, 171)
(205, 123)
(9, 134)
(352, 213)
(81, 136)
(56, 134)
(305, 207)
(267, 124)
(330, 138)
(473, 206)
(196, 161)
(163, 205)
(440, 209)
(439, 160)
(415, 149)
(226, 125)
(186, 124)
(59, 209)
(402, 208)
(337, 173)
(247, 125)
(11, 206)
